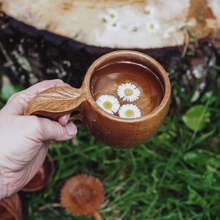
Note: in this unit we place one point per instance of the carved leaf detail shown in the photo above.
(63, 93)
(59, 100)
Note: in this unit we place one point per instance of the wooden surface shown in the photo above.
(33, 48)
(119, 24)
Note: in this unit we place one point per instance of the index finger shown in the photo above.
(17, 102)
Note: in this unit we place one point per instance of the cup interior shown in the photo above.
(115, 72)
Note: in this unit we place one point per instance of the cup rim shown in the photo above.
(13, 206)
(39, 187)
(167, 88)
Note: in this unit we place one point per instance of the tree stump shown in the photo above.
(61, 39)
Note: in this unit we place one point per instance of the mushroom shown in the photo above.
(82, 195)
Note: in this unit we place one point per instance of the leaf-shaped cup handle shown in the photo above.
(56, 102)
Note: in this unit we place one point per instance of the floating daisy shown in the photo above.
(149, 10)
(129, 92)
(129, 111)
(108, 103)
(152, 26)
(168, 33)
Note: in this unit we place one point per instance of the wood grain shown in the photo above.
(55, 102)
(11, 208)
(90, 22)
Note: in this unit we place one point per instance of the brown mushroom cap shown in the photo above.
(82, 194)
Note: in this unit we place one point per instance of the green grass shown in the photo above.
(156, 181)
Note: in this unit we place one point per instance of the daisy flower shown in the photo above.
(111, 16)
(181, 26)
(152, 26)
(129, 111)
(108, 103)
(168, 33)
(134, 26)
(129, 92)
(111, 20)
(149, 10)
(114, 26)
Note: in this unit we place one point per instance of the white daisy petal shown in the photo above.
(134, 27)
(129, 111)
(111, 20)
(113, 26)
(168, 33)
(181, 26)
(149, 11)
(108, 103)
(110, 17)
(129, 92)
(152, 26)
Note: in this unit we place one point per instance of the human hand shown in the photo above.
(24, 139)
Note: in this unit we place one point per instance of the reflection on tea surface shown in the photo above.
(139, 80)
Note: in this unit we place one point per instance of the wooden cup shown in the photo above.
(11, 208)
(103, 77)
(42, 178)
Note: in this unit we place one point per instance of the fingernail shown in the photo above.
(71, 129)
(67, 118)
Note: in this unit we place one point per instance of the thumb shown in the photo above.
(52, 130)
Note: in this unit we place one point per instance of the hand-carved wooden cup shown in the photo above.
(104, 77)
(11, 208)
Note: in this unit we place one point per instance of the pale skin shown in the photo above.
(24, 139)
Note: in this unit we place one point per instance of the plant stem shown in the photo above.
(186, 43)
(54, 205)
(97, 216)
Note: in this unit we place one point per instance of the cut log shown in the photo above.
(61, 39)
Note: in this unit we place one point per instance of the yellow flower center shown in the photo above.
(170, 32)
(128, 92)
(129, 113)
(107, 105)
(148, 12)
(134, 28)
(112, 15)
(151, 26)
